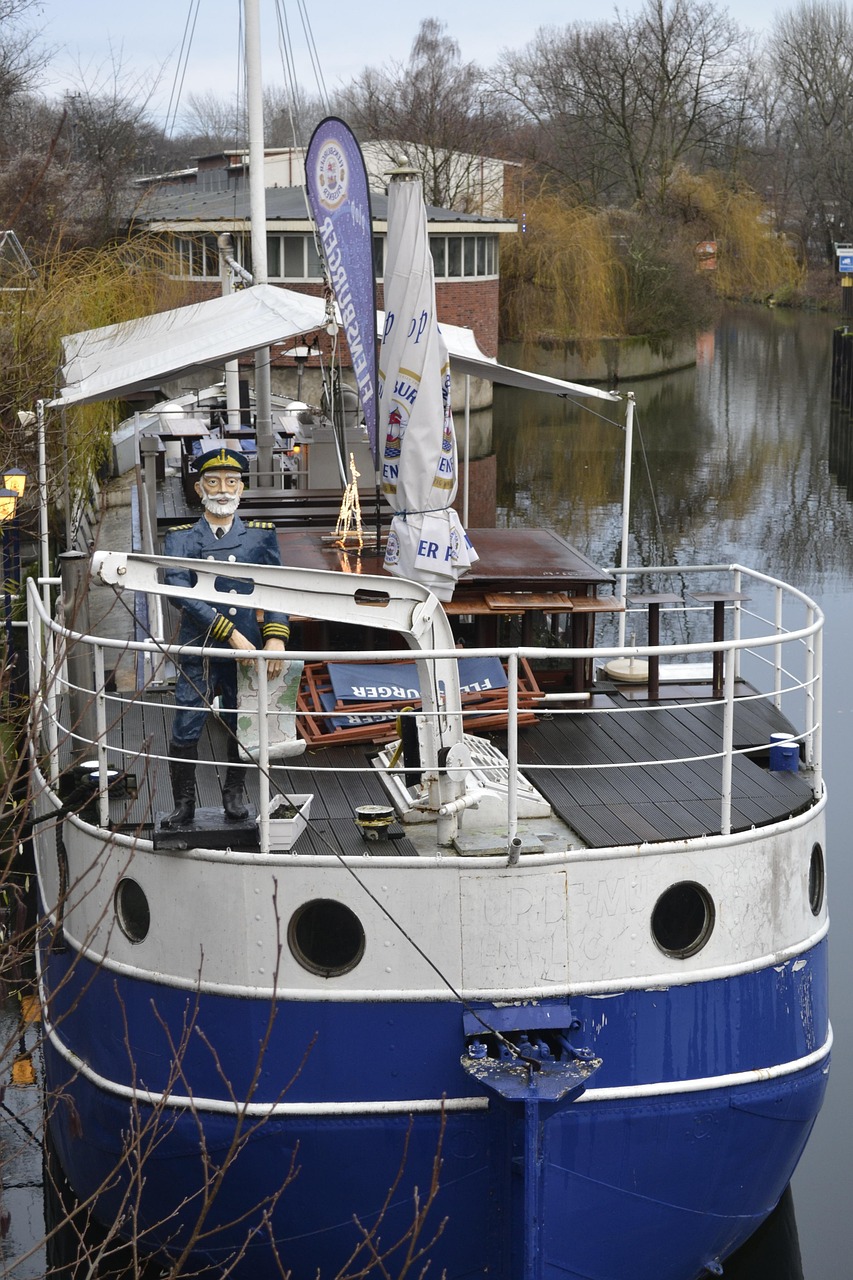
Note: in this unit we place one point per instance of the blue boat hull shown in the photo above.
(651, 1175)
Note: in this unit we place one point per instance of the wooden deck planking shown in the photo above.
(144, 733)
(616, 805)
(653, 802)
(685, 730)
(608, 806)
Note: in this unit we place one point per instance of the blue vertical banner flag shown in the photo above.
(339, 197)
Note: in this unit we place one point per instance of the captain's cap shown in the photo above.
(222, 459)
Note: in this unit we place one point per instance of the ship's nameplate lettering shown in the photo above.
(605, 912)
(514, 933)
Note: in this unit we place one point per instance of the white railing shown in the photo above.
(772, 645)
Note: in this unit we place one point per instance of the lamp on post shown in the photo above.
(8, 507)
(301, 355)
(16, 480)
(14, 484)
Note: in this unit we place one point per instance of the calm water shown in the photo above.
(731, 462)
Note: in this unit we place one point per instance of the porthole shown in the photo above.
(817, 878)
(683, 919)
(132, 910)
(326, 937)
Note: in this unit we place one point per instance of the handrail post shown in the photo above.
(736, 625)
(101, 741)
(81, 694)
(817, 735)
(808, 687)
(512, 744)
(626, 511)
(777, 651)
(49, 652)
(728, 742)
(263, 757)
(41, 650)
(149, 448)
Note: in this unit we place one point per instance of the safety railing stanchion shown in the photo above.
(777, 650)
(101, 742)
(728, 741)
(512, 744)
(263, 757)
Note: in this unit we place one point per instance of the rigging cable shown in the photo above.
(658, 524)
(333, 387)
(288, 63)
(181, 68)
(667, 555)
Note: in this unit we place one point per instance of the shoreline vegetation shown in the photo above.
(581, 276)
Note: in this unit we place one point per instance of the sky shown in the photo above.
(145, 36)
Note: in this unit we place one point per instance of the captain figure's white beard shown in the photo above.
(218, 505)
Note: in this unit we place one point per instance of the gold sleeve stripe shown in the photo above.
(275, 631)
(221, 628)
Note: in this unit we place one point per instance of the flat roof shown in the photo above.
(196, 209)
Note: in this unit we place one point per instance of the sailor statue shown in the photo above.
(219, 534)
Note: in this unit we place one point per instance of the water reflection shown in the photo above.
(730, 459)
(738, 459)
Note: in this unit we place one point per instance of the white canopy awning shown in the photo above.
(108, 363)
(466, 357)
(482, 367)
(105, 364)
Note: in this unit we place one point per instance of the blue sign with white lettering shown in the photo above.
(845, 262)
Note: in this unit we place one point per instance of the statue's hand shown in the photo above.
(238, 641)
(274, 666)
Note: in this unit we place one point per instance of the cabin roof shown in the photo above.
(173, 203)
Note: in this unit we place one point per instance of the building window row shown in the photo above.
(292, 256)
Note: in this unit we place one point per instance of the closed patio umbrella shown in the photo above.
(426, 540)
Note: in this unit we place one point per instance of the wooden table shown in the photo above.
(719, 599)
(520, 572)
(511, 560)
(654, 602)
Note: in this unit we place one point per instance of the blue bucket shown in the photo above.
(784, 753)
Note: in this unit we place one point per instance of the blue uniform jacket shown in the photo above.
(252, 542)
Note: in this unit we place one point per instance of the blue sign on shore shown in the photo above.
(845, 262)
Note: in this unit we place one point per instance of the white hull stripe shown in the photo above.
(734, 1080)
(634, 982)
(421, 1105)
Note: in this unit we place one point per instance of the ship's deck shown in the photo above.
(629, 778)
(629, 775)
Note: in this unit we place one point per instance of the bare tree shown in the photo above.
(110, 137)
(811, 53)
(67, 168)
(620, 104)
(212, 123)
(21, 53)
(290, 116)
(430, 114)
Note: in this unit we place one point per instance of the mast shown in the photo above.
(258, 216)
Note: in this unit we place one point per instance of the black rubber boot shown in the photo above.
(182, 774)
(233, 799)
